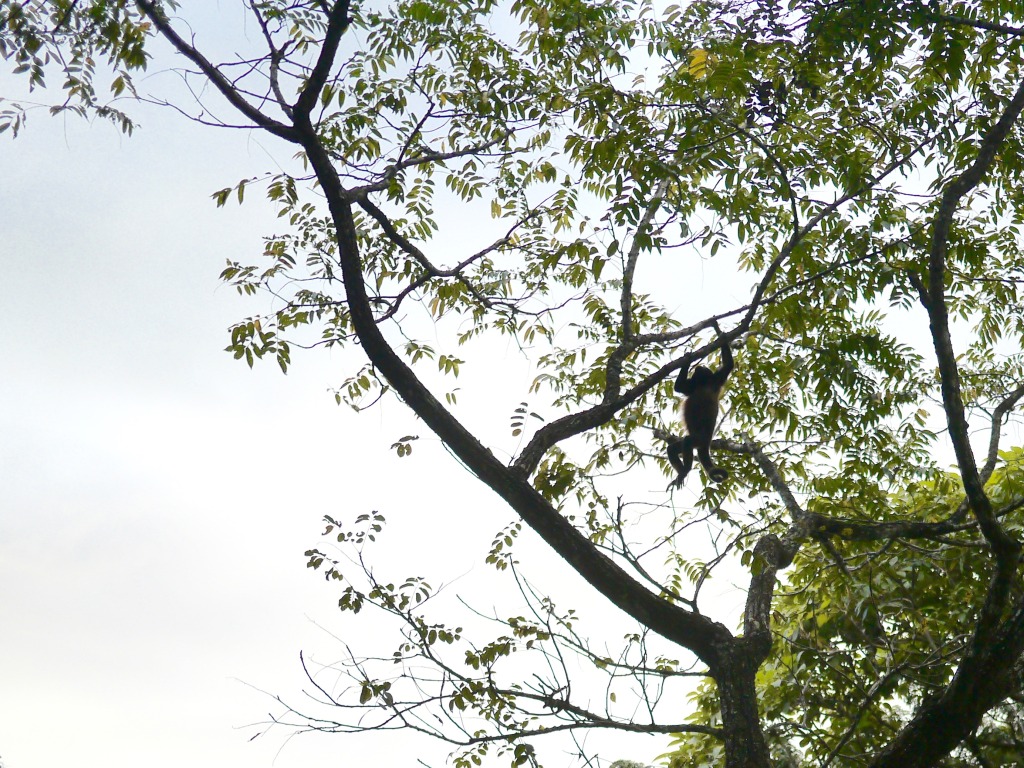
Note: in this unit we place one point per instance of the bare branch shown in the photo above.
(998, 415)
(430, 270)
(643, 229)
(276, 55)
(155, 14)
(771, 471)
(355, 193)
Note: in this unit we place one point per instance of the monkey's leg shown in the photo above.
(717, 474)
(685, 447)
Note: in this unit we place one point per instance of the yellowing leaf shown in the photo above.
(700, 62)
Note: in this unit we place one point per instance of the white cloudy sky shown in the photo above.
(156, 495)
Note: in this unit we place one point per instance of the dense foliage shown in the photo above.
(837, 185)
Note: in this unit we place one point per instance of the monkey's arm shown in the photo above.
(723, 373)
(682, 380)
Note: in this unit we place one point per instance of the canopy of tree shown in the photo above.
(853, 168)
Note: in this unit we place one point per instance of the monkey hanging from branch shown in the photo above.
(703, 389)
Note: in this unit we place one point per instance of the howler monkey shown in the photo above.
(702, 388)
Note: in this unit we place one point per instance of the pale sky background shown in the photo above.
(156, 495)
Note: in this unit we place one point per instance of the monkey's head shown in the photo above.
(701, 376)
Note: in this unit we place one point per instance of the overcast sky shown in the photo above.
(156, 495)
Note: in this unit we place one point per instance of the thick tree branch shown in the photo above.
(703, 637)
(337, 23)
(1004, 407)
(984, 679)
(1004, 545)
(770, 556)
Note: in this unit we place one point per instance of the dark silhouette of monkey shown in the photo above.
(702, 388)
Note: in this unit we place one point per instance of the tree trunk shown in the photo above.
(744, 742)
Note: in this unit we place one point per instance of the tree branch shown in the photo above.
(998, 415)
(703, 637)
(392, 171)
(629, 268)
(276, 55)
(337, 24)
(156, 15)
(984, 679)
(575, 423)
(1005, 546)
(991, 26)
